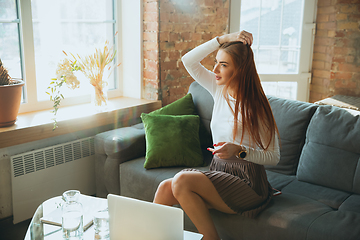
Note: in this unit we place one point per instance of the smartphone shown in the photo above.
(276, 192)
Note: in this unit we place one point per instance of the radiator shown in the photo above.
(44, 173)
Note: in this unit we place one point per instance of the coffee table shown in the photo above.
(41, 231)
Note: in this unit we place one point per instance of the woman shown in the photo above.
(245, 136)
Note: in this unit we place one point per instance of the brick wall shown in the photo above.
(151, 50)
(182, 25)
(336, 59)
(173, 27)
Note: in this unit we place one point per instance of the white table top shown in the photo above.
(40, 231)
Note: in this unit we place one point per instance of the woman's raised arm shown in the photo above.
(198, 72)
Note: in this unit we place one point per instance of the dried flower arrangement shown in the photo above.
(92, 66)
(64, 75)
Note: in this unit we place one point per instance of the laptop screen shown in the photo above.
(135, 219)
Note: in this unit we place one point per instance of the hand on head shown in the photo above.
(243, 36)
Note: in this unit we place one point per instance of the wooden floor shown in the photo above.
(9, 231)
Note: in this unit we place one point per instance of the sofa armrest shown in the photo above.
(123, 143)
(113, 148)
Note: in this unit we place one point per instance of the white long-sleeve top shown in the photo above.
(222, 121)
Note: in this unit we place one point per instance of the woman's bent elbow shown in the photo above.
(275, 160)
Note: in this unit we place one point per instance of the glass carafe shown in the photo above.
(72, 216)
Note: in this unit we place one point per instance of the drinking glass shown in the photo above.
(101, 222)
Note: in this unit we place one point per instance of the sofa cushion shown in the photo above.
(182, 106)
(352, 204)
(137, 182)
(341, 224)
(331, 153)
(292, 119)
(172, 141)
(328, 196)
(335, 225)
(185, 106)
(288, 216)
(278, 180)
(203, 102)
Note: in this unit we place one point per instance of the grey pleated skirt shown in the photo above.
(241, 184)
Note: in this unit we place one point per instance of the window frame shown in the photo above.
(129, 87)
(303, 77)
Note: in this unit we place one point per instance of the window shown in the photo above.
(9, 38)
(283, 42)
(34, 34)
(76, 27)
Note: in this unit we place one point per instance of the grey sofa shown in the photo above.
(318, 173)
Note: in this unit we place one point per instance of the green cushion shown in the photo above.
(185, 106)
(172, 141)
(182, 106)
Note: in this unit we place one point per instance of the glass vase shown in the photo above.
(99, 98)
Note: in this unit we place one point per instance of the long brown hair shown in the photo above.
(250, 99)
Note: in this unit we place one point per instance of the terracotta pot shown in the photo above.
(10, 98)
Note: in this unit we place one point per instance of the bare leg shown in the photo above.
(164, 194)
(196, 193)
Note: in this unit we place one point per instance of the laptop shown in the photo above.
(132, 219)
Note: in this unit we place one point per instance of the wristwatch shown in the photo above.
(241, 154)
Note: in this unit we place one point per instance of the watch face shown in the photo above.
(243, 154)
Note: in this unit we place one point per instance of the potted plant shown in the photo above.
(10, 97)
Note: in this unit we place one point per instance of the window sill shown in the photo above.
(38, 125)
